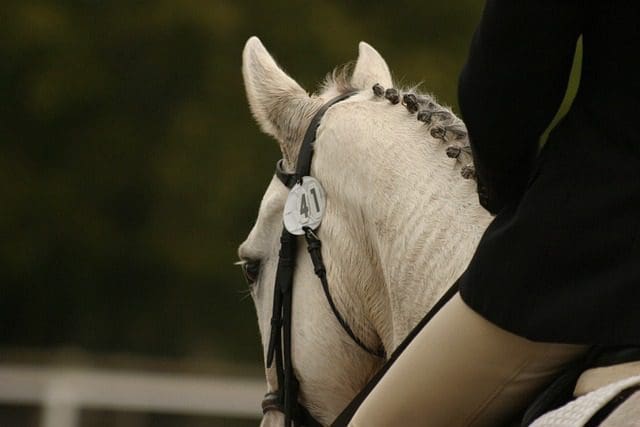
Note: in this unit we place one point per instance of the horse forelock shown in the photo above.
(339, 80)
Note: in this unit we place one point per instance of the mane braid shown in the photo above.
(440, 122)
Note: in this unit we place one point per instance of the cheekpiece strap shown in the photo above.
(279, 349)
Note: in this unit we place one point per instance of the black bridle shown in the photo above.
(285, 399)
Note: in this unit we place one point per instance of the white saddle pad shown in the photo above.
(595, 378)
(579, 411)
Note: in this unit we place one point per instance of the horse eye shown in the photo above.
(251, 270)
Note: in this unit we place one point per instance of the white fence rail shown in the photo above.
(63, 392)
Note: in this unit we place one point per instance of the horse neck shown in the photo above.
(425, 237)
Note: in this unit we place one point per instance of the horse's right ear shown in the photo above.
(371, 68)
(275, 98)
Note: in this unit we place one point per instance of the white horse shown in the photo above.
(401, 223)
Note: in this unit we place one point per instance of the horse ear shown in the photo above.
(370, 69)
(275, 98)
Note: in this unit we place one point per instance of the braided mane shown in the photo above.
(441, 123)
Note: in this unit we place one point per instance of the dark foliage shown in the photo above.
(130, 167)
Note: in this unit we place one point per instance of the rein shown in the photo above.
(285, 399)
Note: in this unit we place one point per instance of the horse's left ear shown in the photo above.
(370, 69)
(276, 100)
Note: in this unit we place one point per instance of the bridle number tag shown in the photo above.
(305, 206)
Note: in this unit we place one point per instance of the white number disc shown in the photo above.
(305, 206)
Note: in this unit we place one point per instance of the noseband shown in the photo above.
(285, 399)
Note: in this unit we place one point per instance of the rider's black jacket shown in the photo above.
(561, 260)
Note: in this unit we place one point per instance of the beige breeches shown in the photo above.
(462, 370)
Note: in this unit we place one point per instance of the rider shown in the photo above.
(558, 269)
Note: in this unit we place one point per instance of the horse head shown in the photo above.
(400, 223)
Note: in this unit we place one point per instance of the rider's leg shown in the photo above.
(462, 370)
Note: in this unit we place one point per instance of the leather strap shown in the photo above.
(279, 348)
(314, 246)
(303, 164)
(280, 339)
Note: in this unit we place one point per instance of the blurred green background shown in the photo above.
(131, 168)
